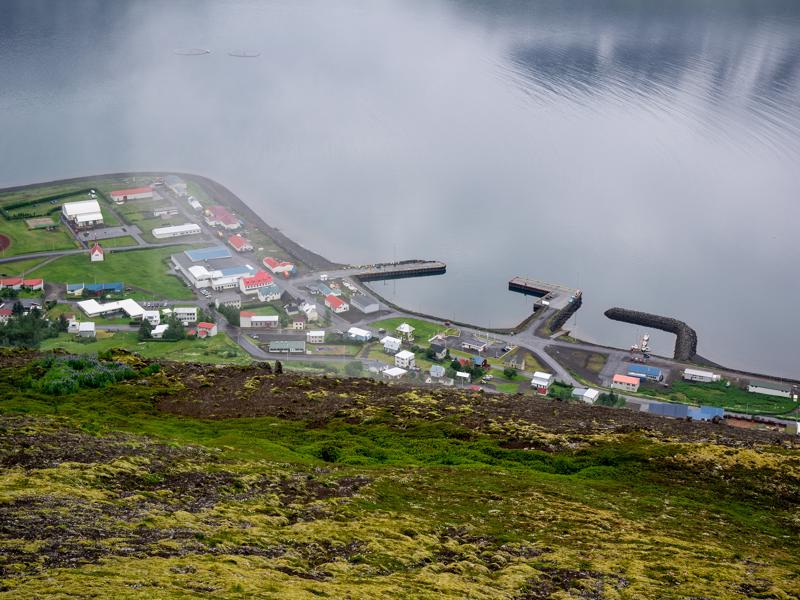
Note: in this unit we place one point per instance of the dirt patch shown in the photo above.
(39, 444)
(5, 242)
(587, 365)
(553, 582)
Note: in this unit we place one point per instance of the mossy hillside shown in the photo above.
(102, 495)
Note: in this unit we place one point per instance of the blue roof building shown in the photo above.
(95, 288)
(645, 372)
(209, 253)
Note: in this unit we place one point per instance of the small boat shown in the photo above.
(244, 54)
(192, 51)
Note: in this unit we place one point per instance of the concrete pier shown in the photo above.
(554, 295)
(412, 268)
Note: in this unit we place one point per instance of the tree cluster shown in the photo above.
(29, 330)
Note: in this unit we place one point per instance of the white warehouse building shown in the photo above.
(176, 231)
(701, 376)
(83, 214)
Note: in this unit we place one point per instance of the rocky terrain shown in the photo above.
(187, 481)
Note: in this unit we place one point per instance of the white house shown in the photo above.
(358, 334)
(195, 204)
(185, 314)
(86, 329)
(406, 332)
(588, 395)
(250, 319)
(437, 371)
(96, 254)
(542, 381)
(85, 213)
(176, 231)
(394, 373)
(310, 311)
(158, 331)
(404, 359)
(625, 382)
(391, 345)
(315, 337)
(93, 308)
(700, 376)
(229, 299)
(462, 377)
(140, 193)
(152, 316)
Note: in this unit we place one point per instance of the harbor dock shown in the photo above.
(554, 295)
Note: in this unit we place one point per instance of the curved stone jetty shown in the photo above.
(686, 337)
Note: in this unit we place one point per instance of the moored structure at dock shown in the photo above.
(401, 270)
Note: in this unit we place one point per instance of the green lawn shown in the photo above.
(219, 349)
(146, 269)
(25, 241)
(40, 191)
(19, 268)
(125, 240)
(717, 394)
(507, 388)
(423, 330)
(263, 311)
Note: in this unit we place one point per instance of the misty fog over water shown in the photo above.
(646, 152)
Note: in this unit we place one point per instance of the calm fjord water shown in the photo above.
(647, 152)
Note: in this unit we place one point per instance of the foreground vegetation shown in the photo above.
(354, 489)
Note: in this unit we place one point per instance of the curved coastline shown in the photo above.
(686, 337)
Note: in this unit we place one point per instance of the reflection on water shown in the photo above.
(645, 152)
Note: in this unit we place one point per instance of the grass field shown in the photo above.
(20, 268)
(219, 349)
(263, 311)
(146, 269)
(26, 241)
(125, 240)
(40, 191)
(507, 388)
(423, 330)
(731, 398)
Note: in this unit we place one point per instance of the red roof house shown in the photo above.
(132, 193)
(221, 216)
(336, 304)
(96, 253)
(206, 330)
(33, 284)
(11, 282)
(278, 266)
(239, 243)
(250, 285)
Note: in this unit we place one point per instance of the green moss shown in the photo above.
(375, 503)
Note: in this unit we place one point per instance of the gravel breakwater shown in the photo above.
(686, 337)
